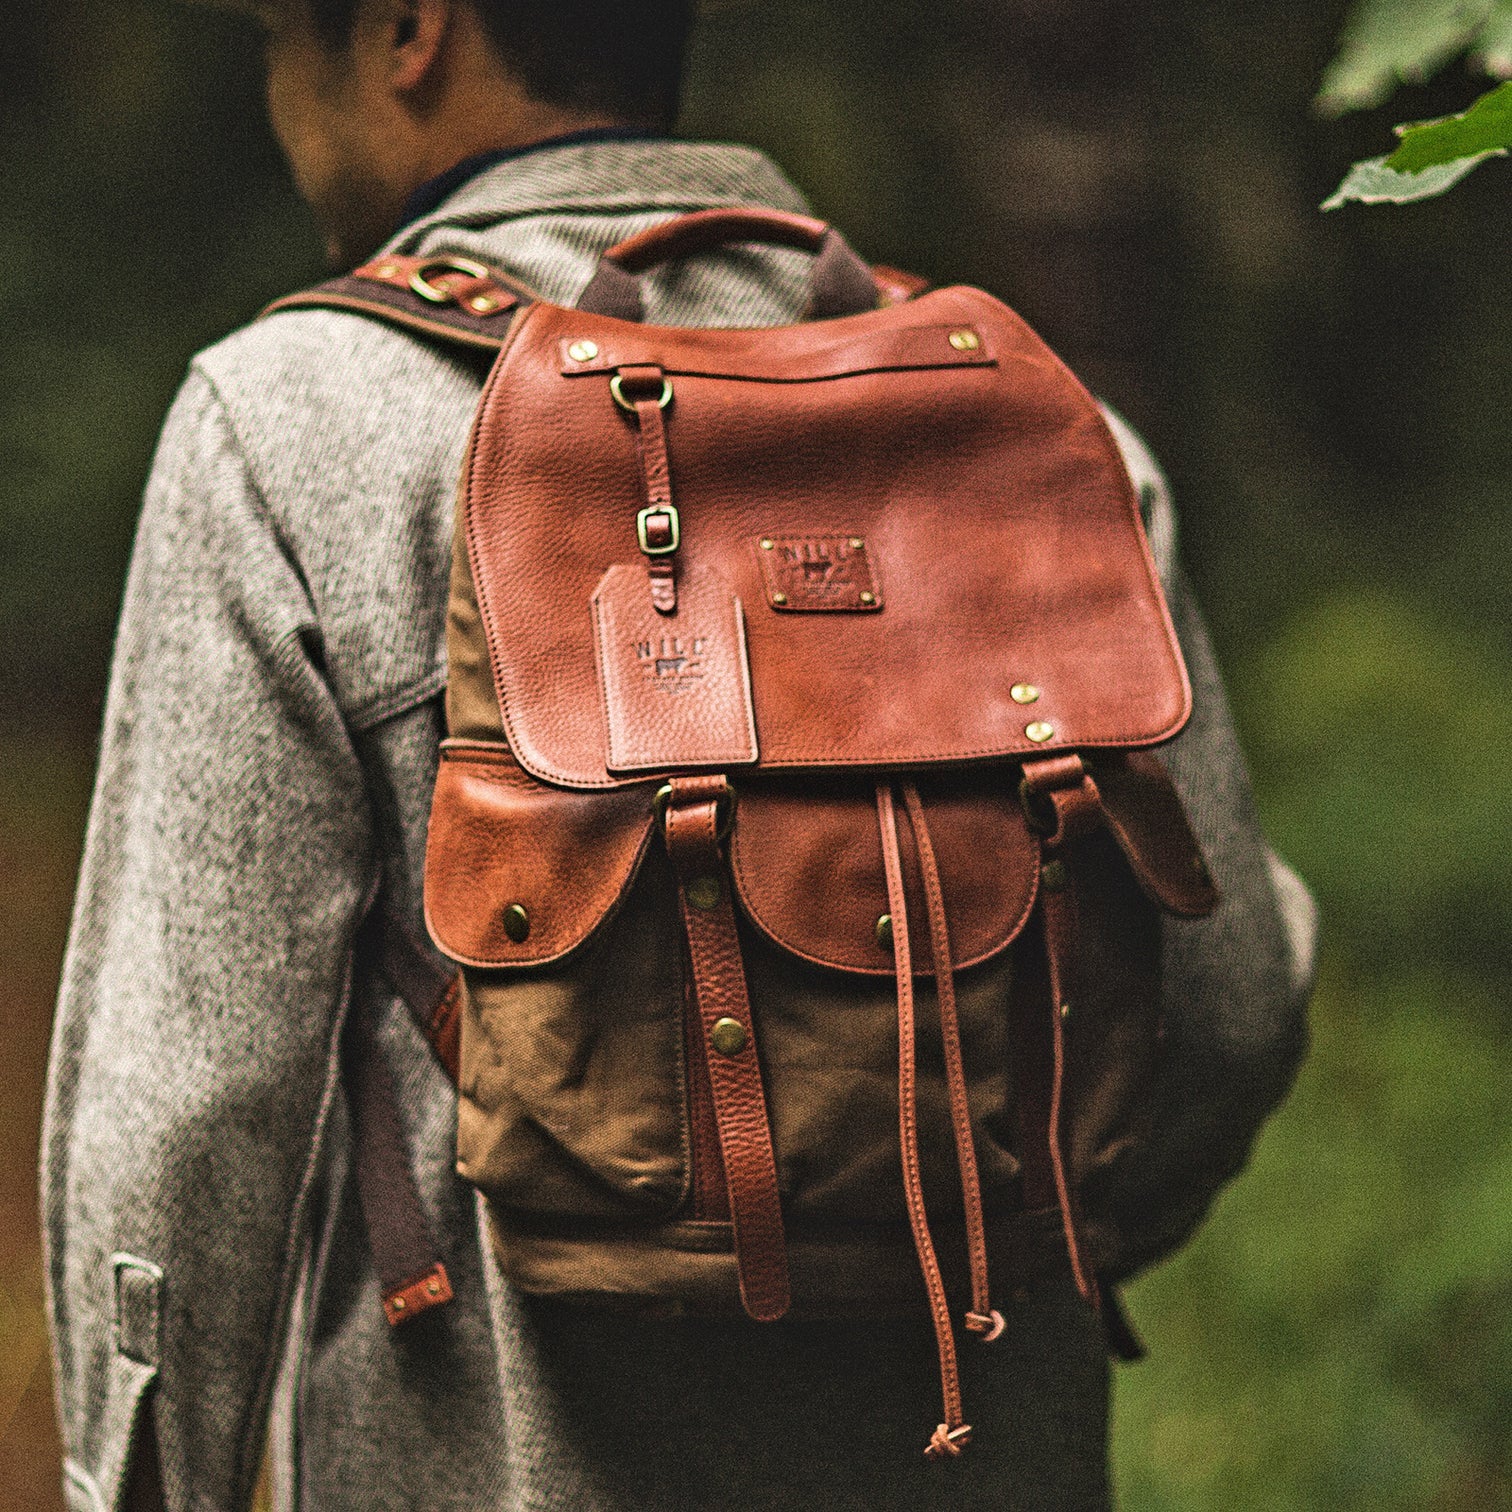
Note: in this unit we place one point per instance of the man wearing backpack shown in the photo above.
(249, 1143)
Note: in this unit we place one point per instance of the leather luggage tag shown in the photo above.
(677, 688)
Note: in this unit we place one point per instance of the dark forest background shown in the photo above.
(1329, 394)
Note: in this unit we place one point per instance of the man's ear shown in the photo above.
(418, 31)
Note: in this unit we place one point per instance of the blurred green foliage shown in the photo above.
(1390, 42)
(1141, 181)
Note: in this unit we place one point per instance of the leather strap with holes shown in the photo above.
(724, 1013)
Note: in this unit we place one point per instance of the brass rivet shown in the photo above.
(433, 1288)
(884, 932)
(728, 1036)
(1065, 1010)
(517, 923)
(398, 1304)
(1039, 732)
(1053, 878)
(705, 892)
(965, 341)
(867, 597)
(768, 544)
(583, 351)
(857, 544)
(779, 598)
(388, 270)
(484, 304)
(1024, 693)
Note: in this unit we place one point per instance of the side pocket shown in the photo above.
(133, 1367)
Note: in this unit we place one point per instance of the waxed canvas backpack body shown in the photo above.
(797, 831)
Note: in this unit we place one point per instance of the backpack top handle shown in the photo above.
(842, 284)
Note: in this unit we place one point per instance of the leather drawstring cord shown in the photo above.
(951, 1436)
(983, 1319)
(645, 392)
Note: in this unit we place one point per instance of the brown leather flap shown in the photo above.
(809, 871)
(1015, 609)
(501, 841)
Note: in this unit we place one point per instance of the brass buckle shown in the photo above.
(643, 518)
(422, 286)
(617, 388)
(727, 809)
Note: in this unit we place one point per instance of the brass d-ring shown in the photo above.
(421, 284)
(617, 388)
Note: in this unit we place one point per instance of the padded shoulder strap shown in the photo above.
(452, 299)
(457, 300)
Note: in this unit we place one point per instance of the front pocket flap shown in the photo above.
(808, 869)
(518, 873)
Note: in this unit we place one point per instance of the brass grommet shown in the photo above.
(857, 544)
(398, 1304)
(704, 893)
(583, 351)
(1024, 693)
(388, 270)
(768, 544)
(1039, 732)
(779, 598)
(868, 597)
(484, 304)
(517, 923)
(965, 341)
(729, 1036)
(433, 1287)
(884, 932)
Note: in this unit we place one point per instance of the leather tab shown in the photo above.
(676, 688)
(407, 1302)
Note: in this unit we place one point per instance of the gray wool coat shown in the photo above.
(269, 747)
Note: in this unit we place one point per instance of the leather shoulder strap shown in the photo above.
(457, 300)
(452, 299)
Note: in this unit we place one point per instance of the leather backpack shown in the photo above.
(797, 830)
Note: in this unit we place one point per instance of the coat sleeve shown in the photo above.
(226, 867)
(1236, 984)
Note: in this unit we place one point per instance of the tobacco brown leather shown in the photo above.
(954, 1433)
(910, 562)
(499, 839)
(719, 985)
(992, 498)
(794, 843)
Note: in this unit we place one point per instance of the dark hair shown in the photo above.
(620, 58)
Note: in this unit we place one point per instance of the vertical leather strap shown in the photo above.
(404, 1251)
(644, 392)
(952, 1436)
(1063, 804)
(693, 816)
(982, 1319)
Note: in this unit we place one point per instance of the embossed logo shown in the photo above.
(808, 574)
(672, 663)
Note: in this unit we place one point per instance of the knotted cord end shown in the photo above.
(989, 1325)
(947, 1442)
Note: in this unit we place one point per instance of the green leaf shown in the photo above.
(1389, 42)
(1485, 127)
(1373, 183)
